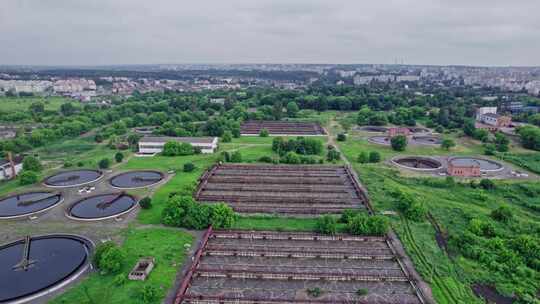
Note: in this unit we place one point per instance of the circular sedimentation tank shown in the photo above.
(374, 129)
(419, 130)
(485, 164)
(426, 140)
(24, 204)
(73, 178)
(103, 206)
(381, 140)
(418, 163)
(136, 179)
(34, 266)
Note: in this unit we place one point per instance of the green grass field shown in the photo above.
(14, 104)
(167, 246)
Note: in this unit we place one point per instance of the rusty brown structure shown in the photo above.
(284, 189)
(254, 127)
(233, 266)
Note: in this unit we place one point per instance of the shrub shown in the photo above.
(104, 163)
(327, 224)
(502, 214)
(226, 137)
(265, 159)
(398, 143)
(481, 228)
(184, 211)
(146, 203)
(189, 167)
(291, 158)
(225, 156)
(222, 216)
(148, 294)
(363, 224)
(119, 280)
(80, 164)
(363, 157)
(119, 157)
(264, 133)
(447, 144)
(236, 157)
(487, 184)
(314, 292)
(109, 258)
(173, 148)
(68, 164)
(348, 215)
(374, 157)
(489, 149)
(341, 137)
(362, 291)
(28, 178)
(31, 163)
(333, 155)
(99, 138)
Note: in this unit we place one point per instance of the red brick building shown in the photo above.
(395, 131)
(464, 170)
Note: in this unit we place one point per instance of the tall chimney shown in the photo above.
(12, 164)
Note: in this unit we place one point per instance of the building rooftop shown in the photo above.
(164, 139)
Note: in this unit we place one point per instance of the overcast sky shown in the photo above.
(99, 32)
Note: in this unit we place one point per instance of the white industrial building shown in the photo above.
(6, 170)
(154, 144)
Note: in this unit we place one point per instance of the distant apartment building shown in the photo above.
(25, 86)
(155, 144)
(362, 80)
(409, 78)
(70, 86)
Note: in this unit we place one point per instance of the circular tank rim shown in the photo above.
(426, 143)
(381, 129)
(396, 158)
(370, 139)
(68, 280)
(75, 185)
(501, 166)
(163, 178)
(95, 219)
(12, 217)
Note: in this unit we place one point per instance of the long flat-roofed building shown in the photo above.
(155, 144)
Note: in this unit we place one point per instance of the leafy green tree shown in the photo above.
(149, 294)
(327, 224)
(28, 178)
(119, 157)
(67, 109)
(222, 216)
(37, 107)
(264, 133)
(104, 163)
(226, 137)
(189, 167)
(447, 144)
(333, 155)
(236, 157)
(487, 184)
(481, 134)
(108, 257)
(374, 157)
(146, 203)
(31, 163)
(291, 158)
(292, 109)
(399, 143)
(502, 214)
(341, 137)
(530, 137)
(501, 142)
(363, 157)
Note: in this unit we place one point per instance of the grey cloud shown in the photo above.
(479, 32)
